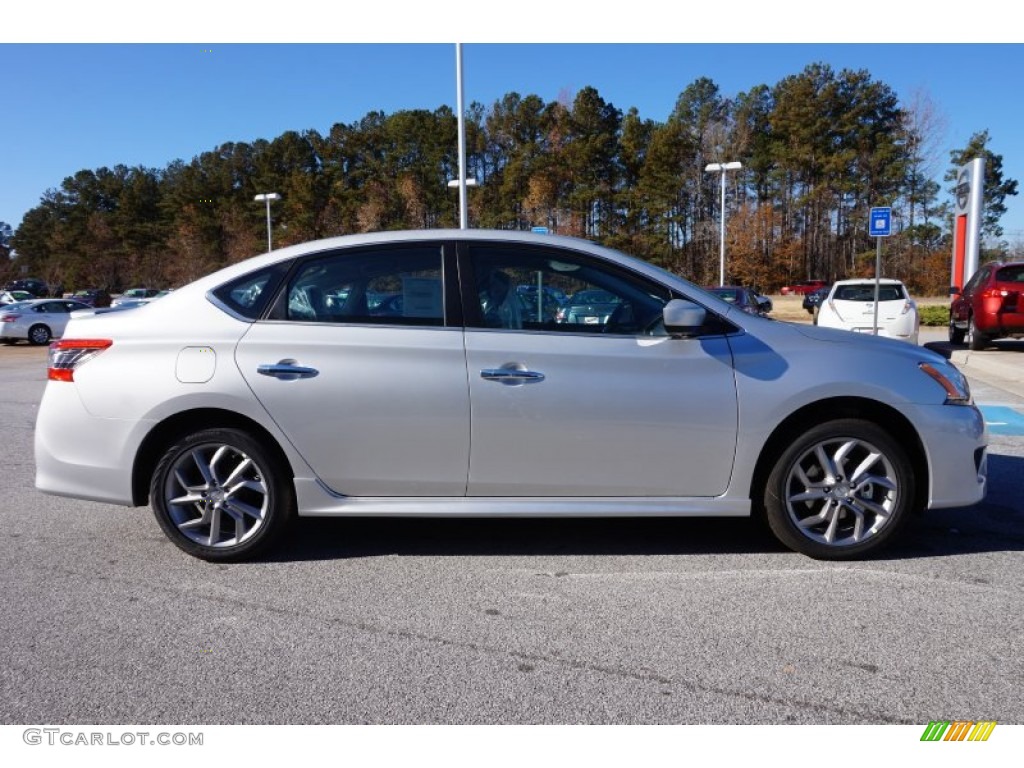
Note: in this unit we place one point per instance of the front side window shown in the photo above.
(393, 286)
(522, 288)
(979, 276)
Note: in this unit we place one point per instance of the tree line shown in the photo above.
(819, 149)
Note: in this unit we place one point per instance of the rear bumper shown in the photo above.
(80, 455)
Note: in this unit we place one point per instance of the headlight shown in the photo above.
(958, 391)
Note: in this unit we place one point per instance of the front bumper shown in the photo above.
(956, 443)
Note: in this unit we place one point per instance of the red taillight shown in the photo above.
(994, 293)
(9, 318)
(68, 354)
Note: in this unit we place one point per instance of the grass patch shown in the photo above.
(933, 315)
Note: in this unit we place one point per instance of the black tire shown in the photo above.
(806, 506)
(39, 334)
(956, 335)
(211, 518)
(976, 340)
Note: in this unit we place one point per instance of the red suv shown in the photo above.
(989, 306)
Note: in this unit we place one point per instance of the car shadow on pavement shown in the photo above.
(985, 527)
(946, 348)
(334, 538)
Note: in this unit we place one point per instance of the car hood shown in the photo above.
(881, 343)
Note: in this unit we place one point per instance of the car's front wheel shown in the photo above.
(219, 495)
(841, 490)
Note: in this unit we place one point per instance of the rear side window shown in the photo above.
(399, 285)
(248, 296)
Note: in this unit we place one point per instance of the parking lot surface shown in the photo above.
(507, 621)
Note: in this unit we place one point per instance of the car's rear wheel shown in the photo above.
(956, 335)
(842, 489)
(219, 495)
(39, 334)
(975, 339)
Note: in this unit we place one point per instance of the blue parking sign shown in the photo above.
(881, 222)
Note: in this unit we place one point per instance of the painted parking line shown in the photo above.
(1003, 420)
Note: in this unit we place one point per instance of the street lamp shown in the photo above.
(268, 197)
(722, 167)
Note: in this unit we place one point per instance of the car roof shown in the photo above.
(511, 237)
(867, 281)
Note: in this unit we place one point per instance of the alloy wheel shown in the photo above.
(216, 495)
(841, 492)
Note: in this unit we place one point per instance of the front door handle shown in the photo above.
(511, 375)
(287, 370)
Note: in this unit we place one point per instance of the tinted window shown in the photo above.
(393, 286)
(866, 292)
(975, 281)
(1012, 274)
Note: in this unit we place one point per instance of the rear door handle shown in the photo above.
(287, 370)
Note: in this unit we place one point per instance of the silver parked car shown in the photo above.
(36, 321)
(274, 388)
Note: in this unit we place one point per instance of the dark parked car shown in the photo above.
(989, 306)
(743, 298)
(813, 299)
(94, 297)
(37, 288)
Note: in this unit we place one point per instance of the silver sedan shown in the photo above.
(273, 388)
(36, 321)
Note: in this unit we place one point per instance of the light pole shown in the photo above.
(268, 197)
(722, 168)
(461, 185)
(462, 181)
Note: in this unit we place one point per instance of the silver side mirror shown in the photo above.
(683, 319)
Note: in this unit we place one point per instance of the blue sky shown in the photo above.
(73, 105)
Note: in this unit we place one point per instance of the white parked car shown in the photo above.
(36, 321)
(850, 305)
(282, 386)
